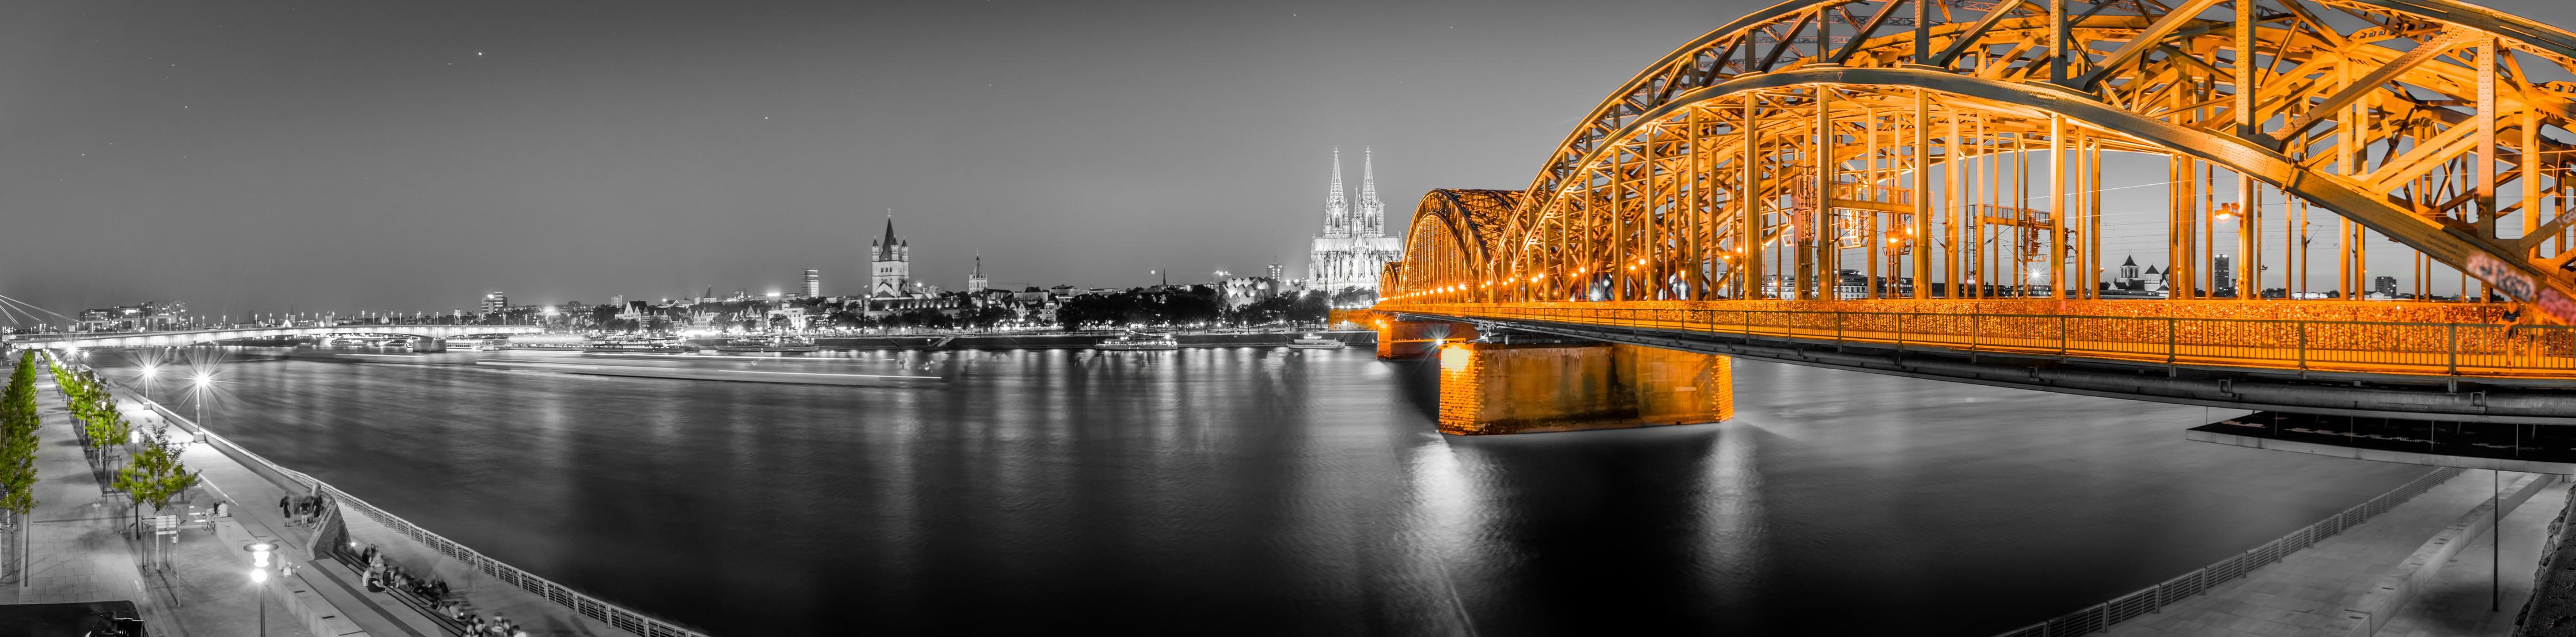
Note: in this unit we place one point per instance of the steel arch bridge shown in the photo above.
(1879, 165)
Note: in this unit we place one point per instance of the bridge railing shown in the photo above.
(587, 606)
(2442, 349)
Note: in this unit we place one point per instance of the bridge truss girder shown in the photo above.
(2423, 141)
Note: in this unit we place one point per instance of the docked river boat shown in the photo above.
(641, 345)
(769, 345)
(1139, 342)
(1311, 341)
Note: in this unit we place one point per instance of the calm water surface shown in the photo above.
(1272, 491)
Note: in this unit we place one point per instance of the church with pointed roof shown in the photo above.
(1353, 246)
(890, 256)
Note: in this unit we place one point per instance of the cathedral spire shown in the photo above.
(1368, 174)
(1372, 212)
(1336, 193)
(1337, 205)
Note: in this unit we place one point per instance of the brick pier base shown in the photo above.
(1488, 388)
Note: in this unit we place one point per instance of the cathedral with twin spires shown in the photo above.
(1348, 253)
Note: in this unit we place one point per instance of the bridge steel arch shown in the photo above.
(1815, 128)
(1450, 232)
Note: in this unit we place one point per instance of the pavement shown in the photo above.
(2456, 603)
(74, 548)
(194, 583)
(257, 488)
(2307, 592)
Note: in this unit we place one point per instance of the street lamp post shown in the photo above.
(259, 575)
(201, 382)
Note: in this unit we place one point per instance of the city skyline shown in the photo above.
(563, 157)
(571, 150)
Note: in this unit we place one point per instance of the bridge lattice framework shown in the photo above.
(1922, 139)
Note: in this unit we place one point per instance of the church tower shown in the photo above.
(1372, 212)
(976, 282)
(891, 259)
(1337, 205)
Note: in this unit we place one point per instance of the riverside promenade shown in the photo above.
(2314, 591)
(75, 551)
(231, 474)
(197, 585)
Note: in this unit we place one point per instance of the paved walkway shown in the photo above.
(254, 495)
(2306, 592)
(2456, 602)
(256, 490)
(73, 542)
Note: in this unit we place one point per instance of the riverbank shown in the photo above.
(324, 597)
(1044, 341)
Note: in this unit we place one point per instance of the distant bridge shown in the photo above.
(192, 337)
(1914, 187)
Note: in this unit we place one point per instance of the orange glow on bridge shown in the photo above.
(1947, 156)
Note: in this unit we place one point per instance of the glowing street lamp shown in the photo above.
(198, 385)
(259, 575)
(149, 372)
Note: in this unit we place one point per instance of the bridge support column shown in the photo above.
(1488, 388)
(1416, 339)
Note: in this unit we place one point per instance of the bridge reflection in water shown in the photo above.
(1916, 187)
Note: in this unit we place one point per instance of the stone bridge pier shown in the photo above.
(1506, 388)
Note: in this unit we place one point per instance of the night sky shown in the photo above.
(244, 157)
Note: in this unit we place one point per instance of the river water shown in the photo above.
(1275, 491)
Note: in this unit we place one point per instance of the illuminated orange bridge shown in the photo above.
(1916, 187)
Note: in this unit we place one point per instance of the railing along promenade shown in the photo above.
(578, 602)
(2470, 340)
(2100, 617)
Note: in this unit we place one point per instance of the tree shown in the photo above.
(1312, 308)
(155, 475)
(18, 422)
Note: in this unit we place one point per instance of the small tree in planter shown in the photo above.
(154, 475)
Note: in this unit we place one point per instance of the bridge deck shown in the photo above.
(2461, 349)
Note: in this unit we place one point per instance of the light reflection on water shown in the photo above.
(1277, 491)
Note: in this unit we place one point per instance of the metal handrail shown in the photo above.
(581, 603)
(2436, 349)
(2100, 617)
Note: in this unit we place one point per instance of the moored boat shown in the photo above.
(1139, 342)
(769, 344)
(1311, 341)
(540, 342)
(641, 344)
